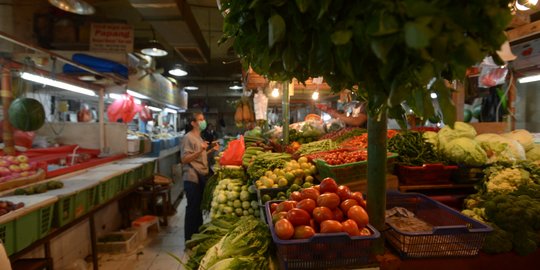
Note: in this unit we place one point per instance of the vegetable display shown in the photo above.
(324, 208)
(344, 134)
(234, 197)
(342, 157)
(413, 149)
(266, 161)
(39, 188)
(8, 206)
(293, 172)
(317, 146)
(509, 200)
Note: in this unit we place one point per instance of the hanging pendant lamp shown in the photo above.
(74, 6)
(154, 48)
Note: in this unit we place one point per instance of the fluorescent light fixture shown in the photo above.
(433, 95)
(236, 87)
(315, 95)
(529, 79)
(526, 4)
(137, 95)
(115, 96)
(191, 88)
(275, 92)
(137, 101)
(170, 110)
(152, 108)
(178, 71)
(57, 84)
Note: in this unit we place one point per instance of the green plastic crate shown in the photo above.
(115, 185)
(64, 210)
(33, 226)
(133, 177)
(102, 192)
(7, 235)
(92, 197)
(83, 202)
(148, 169)
(349, 172)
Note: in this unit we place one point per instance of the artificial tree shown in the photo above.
(390, 50)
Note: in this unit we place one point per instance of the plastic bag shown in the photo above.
(491, 74)
(123, 108)
(234, 153)
(260, 103)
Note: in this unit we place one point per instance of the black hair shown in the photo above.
(191, 118)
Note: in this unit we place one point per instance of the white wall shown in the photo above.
(527, 108)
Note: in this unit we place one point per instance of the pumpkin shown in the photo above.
(26, 114)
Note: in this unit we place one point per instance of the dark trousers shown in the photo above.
(193, 219)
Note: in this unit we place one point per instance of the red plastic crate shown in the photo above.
(430, 174)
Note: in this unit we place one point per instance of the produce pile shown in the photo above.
(39, 188)
(230, 242)
(244, 114)
(317, 146)
(266, 161)
(509, 201)
(324, 208)
(13, 167)
(340, 157)
(8, 206)
(343, 134)
(413, 149)
(293, 172)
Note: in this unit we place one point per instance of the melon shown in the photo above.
(26, 114)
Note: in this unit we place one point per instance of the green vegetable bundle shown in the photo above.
(413, 149)
(264, 162)
(317, 146)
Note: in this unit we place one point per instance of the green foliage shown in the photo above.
(391, 49)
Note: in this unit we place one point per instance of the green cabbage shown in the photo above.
(499, 148)
(460, 130)
(431, 137)
(524, 137)
(534, 153)
(465, 151)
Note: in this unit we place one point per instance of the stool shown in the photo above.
(142, 225)
(152, 193)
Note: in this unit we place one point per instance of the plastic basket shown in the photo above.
(130, 243)
(115, 185)
(467, 174)
(84, 201)
(431, 174)
(148, 169)
(33, 226)
(7, 235)
(132, 177)
(64, 210)
(453, 234)
(323, 251)
(103, 192)
(267, 191)
(350, 172)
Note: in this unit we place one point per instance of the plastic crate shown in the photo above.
(148, 169)
(323, 251)
(270, 191)
(115, 185)
(431, 174)
(33, 226)
(132, 177)
(467, 174)
(64, 210)
(7, 235)
(103, 192)
(84, 201)
(130, 242)
(349, 172)
(453, 234)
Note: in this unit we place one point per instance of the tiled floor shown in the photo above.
(152, 254)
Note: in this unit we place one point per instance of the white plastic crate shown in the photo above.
(129, 243)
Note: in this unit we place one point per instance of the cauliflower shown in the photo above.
(523, 137)
(534, 153)
(460, 130)
(499, 148)
(507, 180)
(465, 151)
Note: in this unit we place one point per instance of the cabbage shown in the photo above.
(534, 153)
(499, 148)
(523, 137)
(460, 130)
(465, 151)
(431, 137)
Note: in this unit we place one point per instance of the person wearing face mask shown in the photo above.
(195, 170)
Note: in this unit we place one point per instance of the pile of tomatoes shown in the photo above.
(343, 157)
(324, 208)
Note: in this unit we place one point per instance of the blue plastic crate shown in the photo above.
(323, 251)
(453, 233)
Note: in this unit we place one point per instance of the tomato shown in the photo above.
(273, 207)
(321, 214)
(365, 231)
(331, 226)
(338, 214)
(314, 225)
(285, 206)
(328, 185)
(278, 215)
(303, 232)
(310, 193)
(358, 197)
(350, 227)
(330, 200)
(307, 204)
(296, 196)
(343, 192)
(358, 214)
(317, 187)
(346, 204)
(284, 229)
(298, 217)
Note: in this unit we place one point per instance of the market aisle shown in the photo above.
(153, 255)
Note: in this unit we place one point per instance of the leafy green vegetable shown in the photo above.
(317, 146)
(265, 162)
(413, 149)
(209, 188)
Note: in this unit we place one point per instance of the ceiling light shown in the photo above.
(137, 95)
(74, 6)
(170, 110)
(315, 95)
(154, 48)
(236, 86)
(115, 96)
(524, 5)
(275, 92)
(155, 109)
(433, 95)
(57, 84)
(529, 79)
(191, 88)
(177, 71)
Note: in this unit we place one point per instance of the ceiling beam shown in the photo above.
(190, 20)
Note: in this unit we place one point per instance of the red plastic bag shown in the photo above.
(234, 153)
(123, 108)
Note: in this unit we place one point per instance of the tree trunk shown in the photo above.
(7, 97)
(376, 197)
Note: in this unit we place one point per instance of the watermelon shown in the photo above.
(26, 114)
